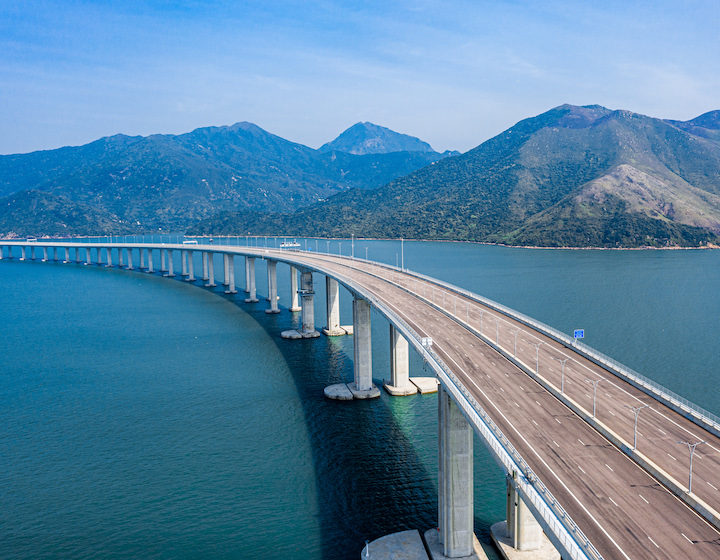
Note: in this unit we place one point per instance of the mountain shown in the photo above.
(368, 138)
(573, 176)
(172, 181)
(35, 213)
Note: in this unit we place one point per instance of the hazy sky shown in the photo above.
(451, 73)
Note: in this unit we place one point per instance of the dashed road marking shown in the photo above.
(556, 444)
(643, 499)
(581, 441)
(609, 467)
(663, 433)
(613, 501)
(711, 486)
(652, 541)
(688, 540)
(538, 403)
(583, 470)
(611, 412)
(673, 458)
(558, 421)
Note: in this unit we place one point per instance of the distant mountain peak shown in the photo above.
(368, 138)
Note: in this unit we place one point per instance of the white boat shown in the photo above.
(289, 245)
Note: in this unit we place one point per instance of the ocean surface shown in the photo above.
(144, 417)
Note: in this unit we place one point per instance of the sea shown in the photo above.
(148, 417)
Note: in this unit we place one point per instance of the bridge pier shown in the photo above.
(163, 261)
(230, 278)
(142, 259)
(211, 271)
(150, 269)
(67, 255)
(294, 304)
(399, 384)
(170, 271)
(226, 269)
(272, 287)
(22, 253)
(1, 253)
(191, 267)
(77, 255)
(108, 256)
(32, 253)
(205, 266)
(455, 480)
(247, 275)
(121, 261)
(130, 261)
(332, 298)
(250, 276)
(307, 294)
(88, 255)
(362, 386)
(183, 262)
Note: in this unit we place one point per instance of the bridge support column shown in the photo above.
(399, 384)
(170, 272)
(294, 304)
(150, 262)
(22, 250)
(191, 267)
(455, 479)
(55, 254)
(252, 298)
(77, 255)
(522, 530)
(1, 253)
(205, 265)
(307, 294)
(163, 260)
(32, 253)
(121, 261)
(226, 269)
(272, 287)
(362, 386)
(247, 275)
(183, 262)
(108, 255)
(88, 255)
(142, 259)
(230, 275)
(211, 271)
(129, 255)
(332, 307)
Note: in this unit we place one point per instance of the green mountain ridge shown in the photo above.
(573, 176)
(171, 182)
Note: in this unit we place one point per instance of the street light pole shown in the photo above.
(402, 251)
(497, 331)
(366, 253)
(537, 355)
(328, 246)
(691, 449)
(340, 248)
(594, 384)
(636, 410)
(352, 246)
(515, 332)
(562, 375)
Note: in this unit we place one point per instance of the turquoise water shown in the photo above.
(145, 417)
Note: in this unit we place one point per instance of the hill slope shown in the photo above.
(369, 138)
(573, 176)
(170, 181)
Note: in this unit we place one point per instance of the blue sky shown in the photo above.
(451, 73)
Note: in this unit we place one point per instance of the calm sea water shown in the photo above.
(144, 417)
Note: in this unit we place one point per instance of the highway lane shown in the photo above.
(623, 510)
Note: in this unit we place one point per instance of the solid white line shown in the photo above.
(643, 499)
(535, 423)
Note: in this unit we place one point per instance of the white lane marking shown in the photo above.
(711, 486)
(503, 390)
(556, 444)
(609, 467)
(580, 441)
(613, 501)
(663, 433)
(652, 541)
(640, 434)
(521, 388)
(538, 403)
(611, 412)
(643, 499)
(583, 470)
(558, 421)
(588, 396)
(688, 540)
(516, 404)
(673, 458)
(698, 455)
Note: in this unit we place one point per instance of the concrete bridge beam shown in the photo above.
(252, 297)
(272, 287)
(455, 480)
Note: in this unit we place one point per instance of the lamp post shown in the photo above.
(515, 332)
(402, 252)
(328, 246)
(482, 311)
(636, 410)
(562, 374)
(537, 355)
(339, 247)
(594, 384)
(366, 253)
(497, 331)
(352, 246)
(691, 449)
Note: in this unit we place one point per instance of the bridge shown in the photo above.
(601, 460)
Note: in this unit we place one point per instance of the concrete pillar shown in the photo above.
(108, 255)
(150, 261)
(163, 260)
(54, 253)
(211, 271)
(294, 304)
(22, 250)
(142, 259)
(77, 254)
(247, 276)
(332, 307)
(205, 265)
(455, 490)
(183, 262)
(230, 275)
(191, 267)
(226, 269)
(252, 298)
(99, 256)
(67, 255)
(88, 255)
(272, 287)
(1, 253)
(170, 272)
(32, 253)
(129, 255)
(121, 262)
(524, 532)
(399, 384)
(45, 254)
(362, 345)
(307, 294)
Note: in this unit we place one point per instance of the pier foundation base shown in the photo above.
(504, 544)
(436, 548)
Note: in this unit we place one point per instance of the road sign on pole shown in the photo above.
(579, 333)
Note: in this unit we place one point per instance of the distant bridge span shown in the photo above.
(567, 447)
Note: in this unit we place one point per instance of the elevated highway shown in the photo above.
(528, 393)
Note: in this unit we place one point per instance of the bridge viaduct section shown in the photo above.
(509, 396)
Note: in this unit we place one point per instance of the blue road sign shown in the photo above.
(579, 333)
